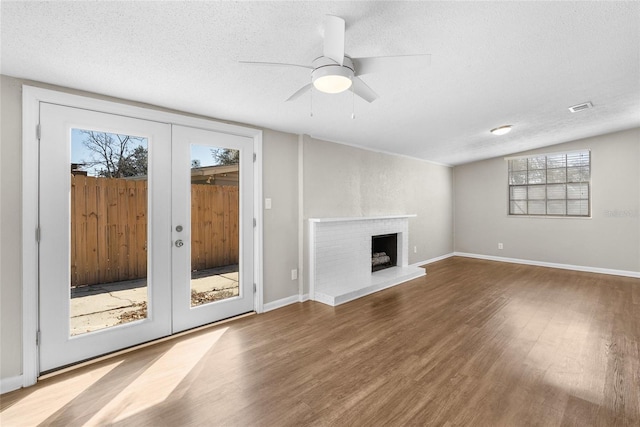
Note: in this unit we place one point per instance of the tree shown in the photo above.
(225, 156)
(195, 163)
(114, 155)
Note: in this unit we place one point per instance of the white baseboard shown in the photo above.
(598, 270)
(429, 261)
(284, 302)
(281, 303)
(10, 384)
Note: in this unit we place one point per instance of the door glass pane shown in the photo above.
(215, 227)
(108, 230)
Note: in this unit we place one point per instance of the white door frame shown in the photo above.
(31, 99)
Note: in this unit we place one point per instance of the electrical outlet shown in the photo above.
(415, 249)
(500, 246)
(294, 274)
(267, 203)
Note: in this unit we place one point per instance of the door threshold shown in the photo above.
(88, 362)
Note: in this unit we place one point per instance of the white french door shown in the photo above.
(142, 233)
(213, 226)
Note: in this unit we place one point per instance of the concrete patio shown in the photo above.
(102, 306)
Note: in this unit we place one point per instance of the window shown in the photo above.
(551, 184)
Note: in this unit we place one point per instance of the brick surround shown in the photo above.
(340, 257)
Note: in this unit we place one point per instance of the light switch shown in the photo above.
(267, 203)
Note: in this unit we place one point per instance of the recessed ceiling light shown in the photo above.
(502, 130)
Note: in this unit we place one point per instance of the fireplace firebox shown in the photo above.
(384, 251)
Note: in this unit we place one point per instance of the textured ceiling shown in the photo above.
(493, 63)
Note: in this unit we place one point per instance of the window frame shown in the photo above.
(545, 185)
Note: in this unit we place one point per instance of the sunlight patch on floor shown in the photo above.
(158, 381)
(46, 401)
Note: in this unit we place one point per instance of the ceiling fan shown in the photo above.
(335, 72)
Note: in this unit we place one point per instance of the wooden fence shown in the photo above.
(214, 226)
(109, 229)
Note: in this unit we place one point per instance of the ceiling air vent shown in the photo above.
(580, 107)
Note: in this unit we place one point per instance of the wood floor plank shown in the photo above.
(472, 343)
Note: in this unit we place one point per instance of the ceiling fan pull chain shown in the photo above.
(311, 101)
(353, 103)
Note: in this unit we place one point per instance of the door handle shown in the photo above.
(179, 243)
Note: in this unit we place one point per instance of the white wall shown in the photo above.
(343, 181)
(280, 237)
(609, 240)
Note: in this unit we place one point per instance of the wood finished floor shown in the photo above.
(475, 343)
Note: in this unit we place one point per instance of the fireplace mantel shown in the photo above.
(340, 257)
(360, 218)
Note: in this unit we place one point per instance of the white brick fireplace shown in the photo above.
(340, 257)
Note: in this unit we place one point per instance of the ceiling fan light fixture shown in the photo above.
(332, 79)
(332, 84)
(502, 130)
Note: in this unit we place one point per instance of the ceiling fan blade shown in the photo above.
(334, 38)
(299, 92)
(374, 64)
(276, 64)
(361, 89)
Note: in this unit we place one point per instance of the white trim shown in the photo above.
(598, 270)
(259, 234)
(285, 301)
(30, 119)
(301, 271)
(122, 109)
(293, 299)
(361, 218)
(31, 99)
(10, 384)
(431, 260)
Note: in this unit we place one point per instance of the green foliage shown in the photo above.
(225, 156)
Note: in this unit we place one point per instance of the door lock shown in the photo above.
(179, 243)
(178, 228)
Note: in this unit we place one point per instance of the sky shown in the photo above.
(79, 153)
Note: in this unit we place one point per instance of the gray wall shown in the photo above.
(610, 239)
(280, 184)
(10, 228)
(343, 181)
(280, 236)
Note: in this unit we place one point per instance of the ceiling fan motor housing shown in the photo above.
(331, 77)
